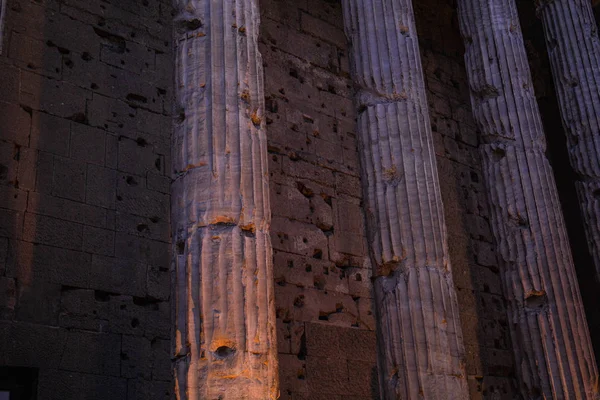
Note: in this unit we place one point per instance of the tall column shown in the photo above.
(550, 335)
(574, 50)
(421, 353)
(223, 285)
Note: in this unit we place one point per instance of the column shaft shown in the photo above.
(421, 353)
(224, 312)
(574, 51)
(550, 335)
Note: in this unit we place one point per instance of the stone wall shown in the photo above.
(85, 89)
(321, 263)
(326, 326)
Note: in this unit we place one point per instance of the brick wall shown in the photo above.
(85, 90)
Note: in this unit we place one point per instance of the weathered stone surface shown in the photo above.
(549, 332)
(225, 331)
(421, 349)
(574, 52)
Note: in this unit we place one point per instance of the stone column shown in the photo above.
(224, 314)
(574, 51)
(421, 353)
(549, 332)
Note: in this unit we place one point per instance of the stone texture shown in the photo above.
(551, 341)
(574, 52)
(421, 349)
(225, 338)
(76, 288)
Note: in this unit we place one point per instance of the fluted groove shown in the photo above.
(421, 353)
(574, 51)
(549, 331)
(224, 316)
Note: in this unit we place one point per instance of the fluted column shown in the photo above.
(574, 51)
(421, 353)
(223, 288)
(550, 336)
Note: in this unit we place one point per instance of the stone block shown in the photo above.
(139, 389)
(52, 231)
(37, 302)
(57, 384)
(50, 134)
(31, 345)
(136, 157)
(69, 179)
(8, 297)
(118, 275)
(88, 144)
(323, 30)
(101, 186)
(327, 375)
(92, 352)
(67, 210)
(35, 55)
(136, 357)
(133, 198)
(362, 379)
(15, 124)
(54, 97)
(98, 241)
(159, 282)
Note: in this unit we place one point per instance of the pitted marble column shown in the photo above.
(224, 300)
(574, 51)
(549, 332)
(421, 353)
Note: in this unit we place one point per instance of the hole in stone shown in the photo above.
(318, 254)
(224, 352)
(535, 299)
(596, 194)
(180, 247)
(498, 154)
(142, 227)
(135, 323)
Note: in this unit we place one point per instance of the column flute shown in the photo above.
(549, 331)
(224, 316)
(574, 51)
(421, 353)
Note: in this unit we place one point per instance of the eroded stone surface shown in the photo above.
(225, 340)
(421, 349)
(550, 336)
(574, 52)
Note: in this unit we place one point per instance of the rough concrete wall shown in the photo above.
(472, 252)
(323, 289)
(84, 196)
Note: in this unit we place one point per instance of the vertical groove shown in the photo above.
(551, 340)
(574, 51)
(421, 351)
(225, 344)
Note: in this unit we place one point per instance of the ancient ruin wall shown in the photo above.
(84, 197)
(312, 139)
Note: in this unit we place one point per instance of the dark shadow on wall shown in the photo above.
(565, 176)
(84, 197)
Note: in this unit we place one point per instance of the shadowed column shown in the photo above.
(549, 332)
(421, 354)
(224, 303)
(574, 51)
